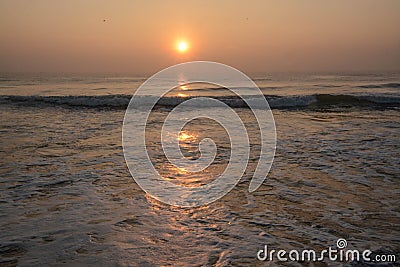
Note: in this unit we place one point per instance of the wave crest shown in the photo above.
(294, 101)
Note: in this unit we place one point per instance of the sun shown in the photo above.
(182, 46)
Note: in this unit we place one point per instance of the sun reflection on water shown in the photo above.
(186, 136)
(184, 87)
(182, 95)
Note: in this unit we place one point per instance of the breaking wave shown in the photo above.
(294, 101)
(381, 85)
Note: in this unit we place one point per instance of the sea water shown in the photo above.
(67, 197)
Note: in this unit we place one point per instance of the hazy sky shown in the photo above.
(254, 36)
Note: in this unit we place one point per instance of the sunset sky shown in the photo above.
(141, 37)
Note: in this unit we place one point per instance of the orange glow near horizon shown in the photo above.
(266, 36)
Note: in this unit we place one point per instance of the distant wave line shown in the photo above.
(293, 101)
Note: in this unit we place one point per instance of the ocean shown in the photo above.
(67, 197)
